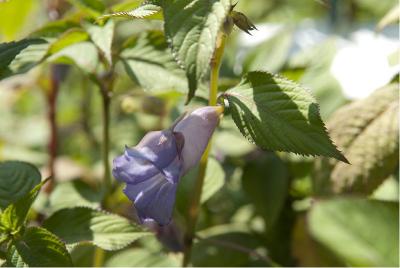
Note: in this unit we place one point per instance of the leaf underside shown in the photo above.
(367, 130)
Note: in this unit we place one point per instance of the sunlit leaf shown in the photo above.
(105, 230)
(361, 232)
(367, 130)
(102, 37)
(38, 247)
(192, 28)
(150, 9)
(278, 114)
(149, 62)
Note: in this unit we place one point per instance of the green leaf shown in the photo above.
(278, 114)
(83, 54)
(150, 9)
(53, 29)
(213, 180)
(16, 180)
(102, 37)
(70, 37)
(94, 8)
(73, 194)
(361, 232)
(266, 183)
(38, 247)
(108, 231)
(21, 51)
(367, 130)
(192, 28)
(14, 216)
(149, 62)
(142, 258)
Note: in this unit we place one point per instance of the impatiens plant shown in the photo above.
(187, 133)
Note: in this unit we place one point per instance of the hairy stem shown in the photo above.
(196, 195)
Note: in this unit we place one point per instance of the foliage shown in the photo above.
(81, 79)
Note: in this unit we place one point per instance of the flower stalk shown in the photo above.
(196, 195)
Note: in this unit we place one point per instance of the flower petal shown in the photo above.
(133, 167)
(197, 128)
(153, 199)
(159, 147)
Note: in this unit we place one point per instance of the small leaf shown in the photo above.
(17, 57)
(192, 28)
(14, 216)
(38, 247)
(83, 54)
(150, 9)
(278, 114)
(54, 29)
(108, 231)
(367, 130)
(361, 232)
(102, 37)
(16, 180)
(149, 62)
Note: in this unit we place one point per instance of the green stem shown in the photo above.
(98, 257)
(196, 196)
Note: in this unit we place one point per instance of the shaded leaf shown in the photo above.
(70, 37)
(367, 130)
(108, 231)
(18, 57)
(38, 247)
(16, 180)
(266, 183)
(367, 228)
(192, 28)
(93, 8)
(278, 114)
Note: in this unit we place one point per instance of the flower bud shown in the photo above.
(152, 169)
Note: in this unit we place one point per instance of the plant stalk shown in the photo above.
(196, 195)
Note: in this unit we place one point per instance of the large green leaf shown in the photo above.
(102, 37)
(14, 216)
(16, 180)
(150, 9)
(361, 232)
(17, 57)
(149, 62)
(108, 231)
(367, 130)
(38, 247)
(70, 37)
(192, 28)
(266, 183)
(278, 114)
(139, 257)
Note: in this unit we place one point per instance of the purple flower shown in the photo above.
(152, 169)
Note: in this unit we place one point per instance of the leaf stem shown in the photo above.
(196, 195)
